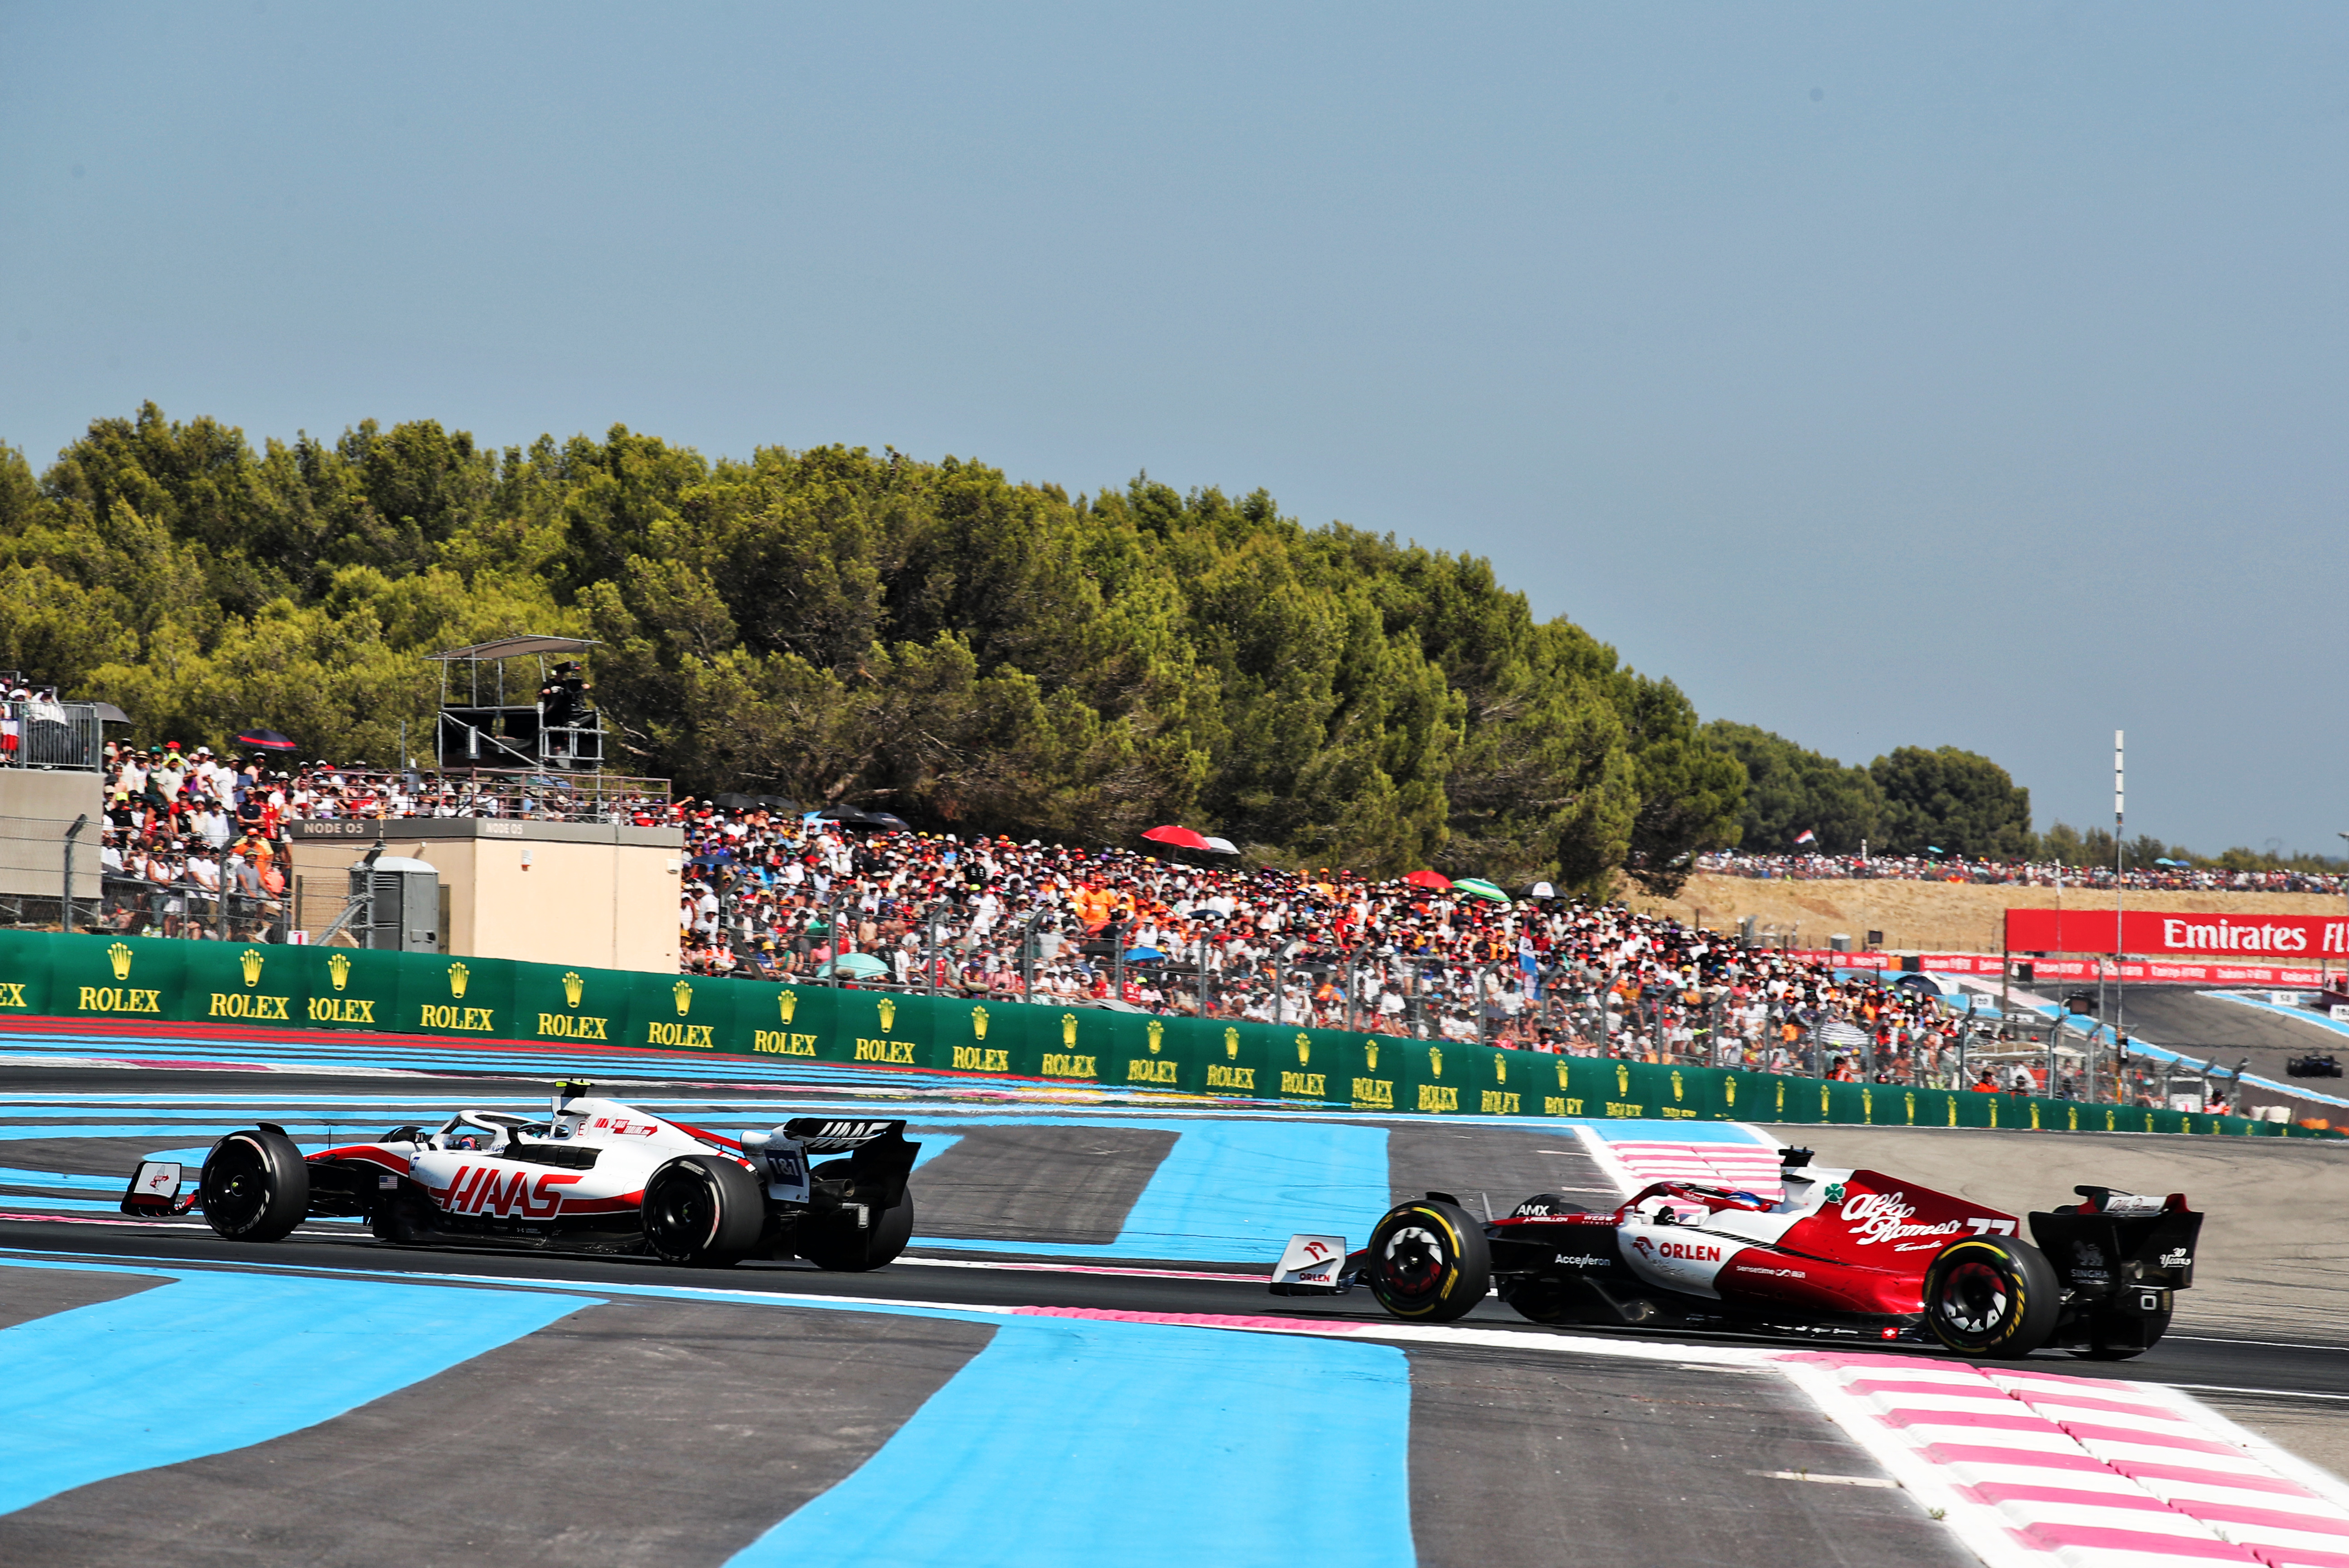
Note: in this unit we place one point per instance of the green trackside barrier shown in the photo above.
(130, 981)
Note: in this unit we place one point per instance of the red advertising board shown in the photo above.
(2131, 970)
(2156, 933)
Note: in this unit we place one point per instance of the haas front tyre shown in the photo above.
(1428, 1262)
(256, 1186)
(703, 1213)
(1991, 1295)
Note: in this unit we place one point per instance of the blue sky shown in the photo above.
(1885, 375)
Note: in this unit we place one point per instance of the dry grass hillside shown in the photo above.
(1945, 917)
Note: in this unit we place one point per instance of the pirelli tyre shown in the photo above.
(703, 1213)
(1428, 1262)
(256, 1186)
(838, 1242)
(1991, 1295)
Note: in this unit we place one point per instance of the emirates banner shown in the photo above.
(2303, 977)
(2286, 938)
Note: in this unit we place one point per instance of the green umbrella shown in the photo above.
(859, 966)
(1478, 887)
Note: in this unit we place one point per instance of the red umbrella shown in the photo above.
(264, 741)
(1180, 837)
(1434, 879)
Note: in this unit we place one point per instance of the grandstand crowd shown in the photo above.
(193, 846)
(2159, 878)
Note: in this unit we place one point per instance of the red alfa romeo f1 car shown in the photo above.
(1847, 1254)
(594, 1175)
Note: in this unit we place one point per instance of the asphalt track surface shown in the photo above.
(1011, 1392)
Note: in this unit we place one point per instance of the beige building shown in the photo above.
(548, 892)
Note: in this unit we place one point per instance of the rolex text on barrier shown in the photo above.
(125, 982)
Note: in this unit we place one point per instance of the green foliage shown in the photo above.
(849, 627)
(1952, 800)
(1790, 790)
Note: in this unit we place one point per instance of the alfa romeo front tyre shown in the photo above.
(703, 1213)
(256, 1186)
(1991, 1295)
(1428, 1262)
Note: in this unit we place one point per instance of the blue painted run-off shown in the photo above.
(1076, 1443)
(1233, 1192)
(213, 1362)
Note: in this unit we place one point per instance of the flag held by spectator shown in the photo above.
(1807, 837)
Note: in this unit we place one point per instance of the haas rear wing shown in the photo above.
(1315, 1266)
(880, 1158)
(154, 1189)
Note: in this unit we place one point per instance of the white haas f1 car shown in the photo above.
(1845, 1254)
(596, 1176)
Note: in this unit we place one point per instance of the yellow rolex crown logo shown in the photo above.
(1232, 1043)
(1912, 1107)
(789, 1002)
(458, 975)
(1561, 1077)
(684, 993)
(1500, 1069)
(338, 968)
(249, 961)
(1823, 1099)
(1622, 1079)
(977, 1023)
(1304, 1049)
(888, 1012)
(1157, 1033)
(1730, 1085)
(574, 988)
(119, 955)
(1436, 1060)
(1370, 1055)
(1676, 1083)
(1069, 1030)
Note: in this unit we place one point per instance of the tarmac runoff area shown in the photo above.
(1078, 1361)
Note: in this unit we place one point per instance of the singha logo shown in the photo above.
(338, 969)
(978, 1024)
(249, 961)
(1157, 1030)
(119, 955)
(1304, 1049)
(684, 994)
(458, 975)
(574, 988)
(789, 1004)
(888, 1012)
(1232, 1043)
(2088, 1262)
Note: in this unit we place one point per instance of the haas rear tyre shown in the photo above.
(703, 1213)
(256, 1186)
(1991, 1295)
(839, 1244)
(1428, 1262)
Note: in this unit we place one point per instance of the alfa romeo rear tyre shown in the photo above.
(1991, 1295)
(837, 1243)
(256, 1186)
(2117, 1336)
(703, 1213)
(1428, 1262)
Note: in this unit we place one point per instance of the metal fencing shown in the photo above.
(51, 736)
